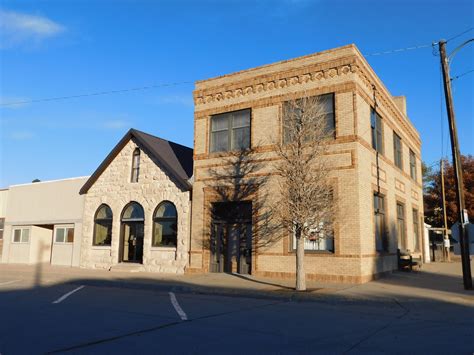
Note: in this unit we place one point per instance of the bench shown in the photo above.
(406, 261)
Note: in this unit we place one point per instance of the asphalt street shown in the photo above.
(68, 317)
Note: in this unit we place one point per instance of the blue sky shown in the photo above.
(62, 48)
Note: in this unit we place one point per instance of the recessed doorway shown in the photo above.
(231, 237)
(132, 232)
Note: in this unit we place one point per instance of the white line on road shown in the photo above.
(177, 307)
(9, 282)
(63, 297)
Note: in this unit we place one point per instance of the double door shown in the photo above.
(231, 247)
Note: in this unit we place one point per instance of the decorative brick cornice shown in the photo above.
(265, 84)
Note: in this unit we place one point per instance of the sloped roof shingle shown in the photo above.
(175, 158)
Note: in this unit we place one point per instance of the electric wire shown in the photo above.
(149, 87)
(58, 98)
(461, 75)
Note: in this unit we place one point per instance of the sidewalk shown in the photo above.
(441, 282)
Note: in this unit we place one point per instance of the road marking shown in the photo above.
(177, 307)
(9, 282)
(63, 297)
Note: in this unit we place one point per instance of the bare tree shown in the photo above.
(305, 205)
(241, 178)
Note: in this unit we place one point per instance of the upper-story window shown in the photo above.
(412, 165)
(397, 150)
(135, 165)
(230, 131)
(311, 114)
(377, 132)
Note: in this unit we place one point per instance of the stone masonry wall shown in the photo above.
(114, 188)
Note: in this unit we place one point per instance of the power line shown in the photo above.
(96, 93)
(461, 75)
(460, 34)
(149, 87)
(399, 50)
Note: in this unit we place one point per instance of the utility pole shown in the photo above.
(441, 169)
(462, 213)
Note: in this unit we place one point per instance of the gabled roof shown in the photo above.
(175, 158)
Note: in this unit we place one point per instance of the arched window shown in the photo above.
(103, 226)
(165, 225)
(133, 212)
(135, 165)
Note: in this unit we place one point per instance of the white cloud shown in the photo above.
(22, 135)
(19, 28)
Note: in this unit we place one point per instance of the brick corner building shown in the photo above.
(375, 159)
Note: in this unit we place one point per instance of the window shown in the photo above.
(2, 226)
(401, 226)
(325, 111)
(21, 235)
(103, 226)
(377, 134)
(412, 165)
(319, 240)
(230, 131)
(165, 225)
(416, 230)
(381, 238)
(135, 165)
(397, 150)
(64, 235)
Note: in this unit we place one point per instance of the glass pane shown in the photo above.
(326, 102)
(330, 124)
(103, 233)
(241, 138)
(17, 235)
(165, 233)
(220, 122)
(166, 209)
(219, 141)
(60, 235)
(241, 119)
(378, 232)
(104, 212)
(133, 211)
(70, 235)
(25, 236)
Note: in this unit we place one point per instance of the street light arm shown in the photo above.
(450, 57)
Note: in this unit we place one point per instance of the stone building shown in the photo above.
(375, 158)
(137, 207)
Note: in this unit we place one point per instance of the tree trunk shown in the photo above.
(300, 273)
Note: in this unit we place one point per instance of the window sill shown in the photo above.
(225, 153)
(315, 252)
(101, 247)
(384, 253)
(163, 249)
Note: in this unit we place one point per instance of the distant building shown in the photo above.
(43, 222)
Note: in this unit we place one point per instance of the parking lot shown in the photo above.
(69, 314)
